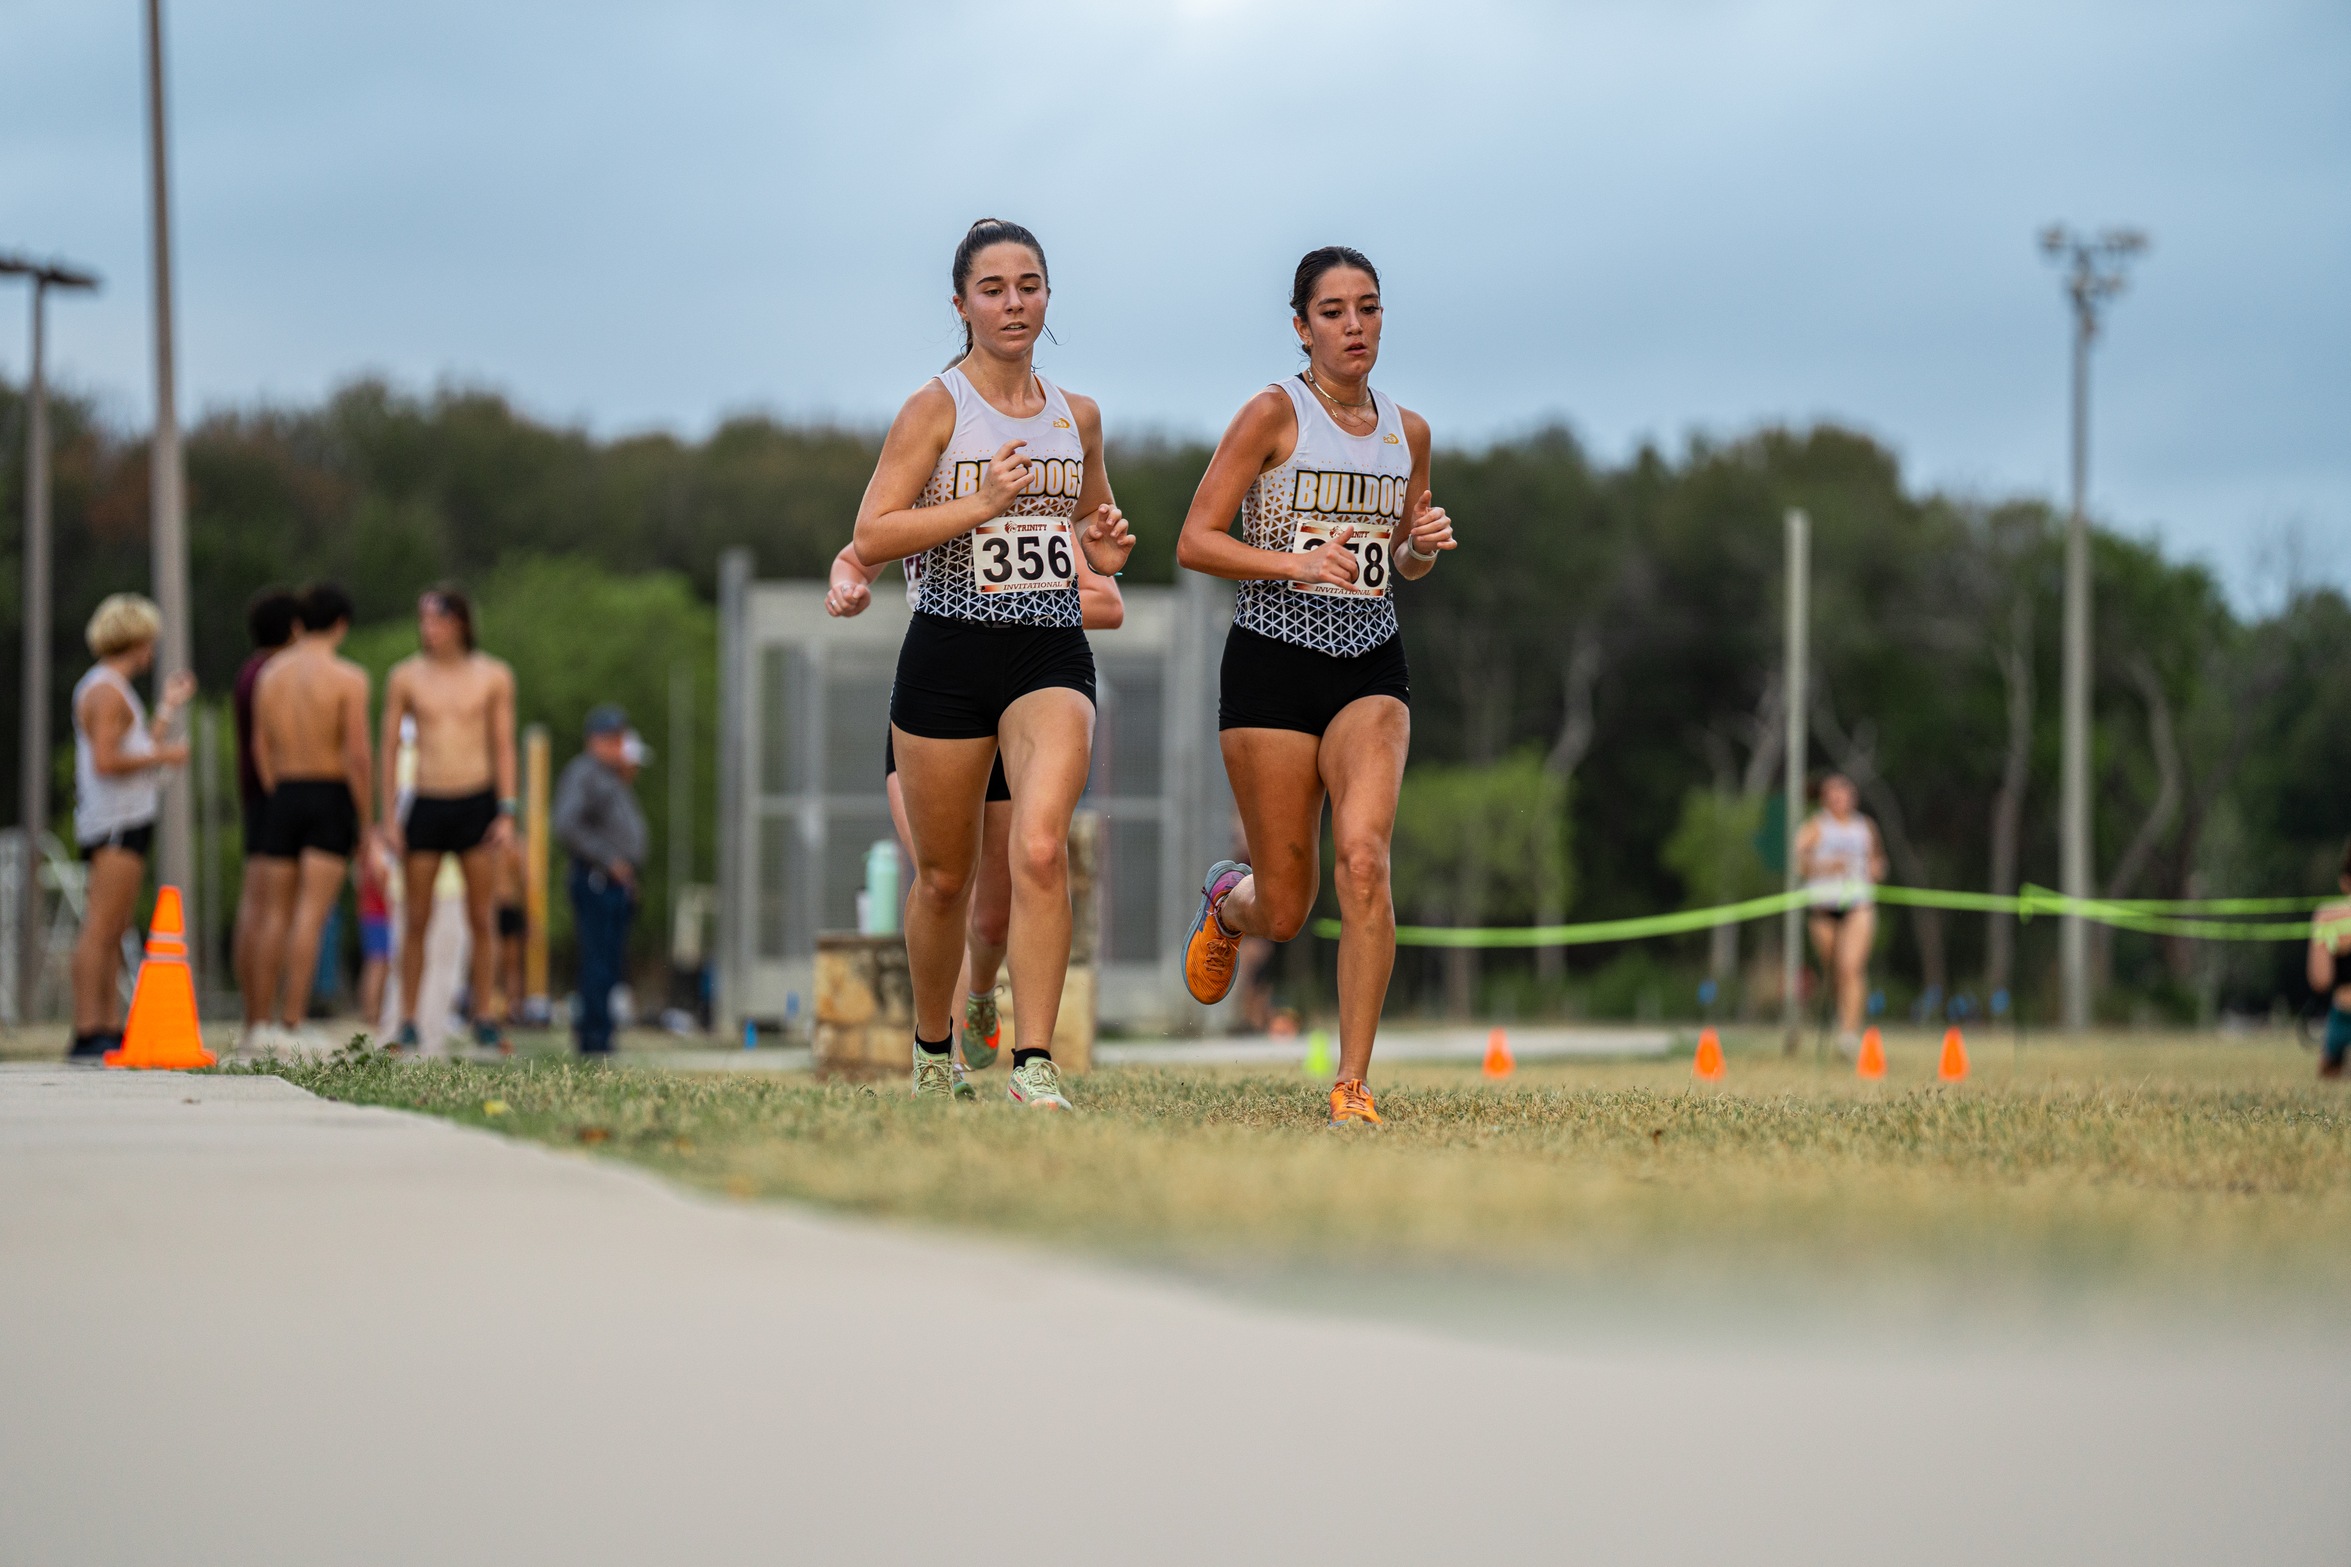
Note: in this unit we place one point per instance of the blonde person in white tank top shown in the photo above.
(119, 758)
(1839, 857)
(1331, 480)
(994, 476)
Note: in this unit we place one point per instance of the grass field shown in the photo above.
(2183, 1169)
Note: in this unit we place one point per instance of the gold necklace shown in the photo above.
(1368, 400)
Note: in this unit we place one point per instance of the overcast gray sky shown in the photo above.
(1646, 217)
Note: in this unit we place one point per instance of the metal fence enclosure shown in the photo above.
(804, 709)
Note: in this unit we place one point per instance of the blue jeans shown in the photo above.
(602, 911)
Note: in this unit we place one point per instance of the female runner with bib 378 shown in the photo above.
(987, 473)
(1331, 480)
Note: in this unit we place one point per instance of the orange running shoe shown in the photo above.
(1210, 950)
(1351, 1104)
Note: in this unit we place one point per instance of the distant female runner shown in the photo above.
(1838, 854)
(994, 476)
(2329, 965)
(1102, 608)
(1331, 481)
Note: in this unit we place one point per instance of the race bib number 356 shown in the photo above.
(1022, 555)
(1370, 546)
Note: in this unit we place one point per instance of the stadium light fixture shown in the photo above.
(33, 764)
(2094, 270)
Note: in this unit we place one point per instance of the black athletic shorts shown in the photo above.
(998, 787)
(131, 840)
(309, 813)
(956, 677)
(450, 823)
(510, 920)
(1270, 684)
(256, 811)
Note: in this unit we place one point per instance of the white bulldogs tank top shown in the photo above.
(1840, 863)
(1332, 480)
(104, 803)
(1019, 569)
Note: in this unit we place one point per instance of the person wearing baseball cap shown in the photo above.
(600, 825)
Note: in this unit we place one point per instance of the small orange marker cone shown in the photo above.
(1498, 1058)
(1872, 1063)
(1954, 1067)
(1707, 1068)
(162, 1030)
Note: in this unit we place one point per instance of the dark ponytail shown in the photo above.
(986, 232)
(1317, 262)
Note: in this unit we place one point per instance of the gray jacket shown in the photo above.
(596, 816)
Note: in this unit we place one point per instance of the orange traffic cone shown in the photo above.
(161, 1030)
(1498, 1058)
(1872, 1064)
(1954, 1067)
(1707, 1068)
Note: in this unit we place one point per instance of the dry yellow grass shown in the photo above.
(2187, 1167)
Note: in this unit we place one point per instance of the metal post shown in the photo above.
(2093, 275)
(2073, 834)
(736, 881)
(681, 788)
(534, 871)
(32, 926)
(208, 879)
(175, 838)
(33, 765)
(1799, 656)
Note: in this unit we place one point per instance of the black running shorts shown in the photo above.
(998, 787)
(256, 812)
(450, 823)
(1270, 684)
(309, 813)
(130, 840)
(956, 677)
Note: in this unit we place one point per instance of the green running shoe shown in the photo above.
(1037, 1085)
(982, 1028)
(934, 1075)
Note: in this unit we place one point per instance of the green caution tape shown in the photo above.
(2149, 916)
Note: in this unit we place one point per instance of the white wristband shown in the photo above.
(1412, 549)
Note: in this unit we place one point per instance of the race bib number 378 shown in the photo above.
(1369, 545)
(1022, 555)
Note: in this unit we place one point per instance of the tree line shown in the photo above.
(1598, 708)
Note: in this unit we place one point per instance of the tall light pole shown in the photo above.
(2093, 268)
(175, 855)
(1798, 651)
(32, 794)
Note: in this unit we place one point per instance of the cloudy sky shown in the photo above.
(1645, 217)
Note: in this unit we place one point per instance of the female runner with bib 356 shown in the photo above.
(995, 476)
(1331, 480)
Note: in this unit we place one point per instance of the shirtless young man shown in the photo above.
(270, 617)
(463, 703)
(310, 750)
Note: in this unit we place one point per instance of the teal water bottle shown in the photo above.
(881, 889)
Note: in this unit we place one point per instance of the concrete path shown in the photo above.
(242, 1326)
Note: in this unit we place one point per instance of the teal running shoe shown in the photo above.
(983, 1030)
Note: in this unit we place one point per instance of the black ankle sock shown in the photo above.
(1021, 1058)
(929, 1049)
